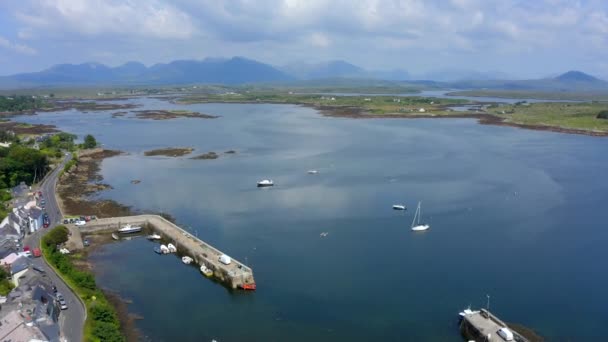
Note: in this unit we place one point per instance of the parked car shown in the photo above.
(62, 302)
(37, 252)
(86, 242)
(80, 223)
(66, 221)
(54, 289)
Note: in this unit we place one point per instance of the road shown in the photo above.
(71, 321)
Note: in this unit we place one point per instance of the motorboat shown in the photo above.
(163, 249)
(154, 237)
(129, 229)
(417, 226)
(324, 234)
(187, 260)
(312, 172)
(206, 271)
(265, 183)
(398, 207)
(171, 248)
(115, 236)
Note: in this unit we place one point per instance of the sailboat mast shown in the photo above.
(415, 214)
(420, 214)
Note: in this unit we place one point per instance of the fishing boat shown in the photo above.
(265, 183)
(398, 207)
(206, 271)
(187, 260)
(154, 237)
(128, 229)
(115, 236)
(416, 226)
(171, 248)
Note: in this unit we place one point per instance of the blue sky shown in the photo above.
(532, 38)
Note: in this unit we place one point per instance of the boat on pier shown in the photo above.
(187, 260)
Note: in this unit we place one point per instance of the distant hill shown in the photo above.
(577, 77)
(575, 81)
(236, 70)
(341, 69)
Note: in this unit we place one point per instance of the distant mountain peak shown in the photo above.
(576, 76)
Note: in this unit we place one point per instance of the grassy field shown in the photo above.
(581, 116)
(381, 105)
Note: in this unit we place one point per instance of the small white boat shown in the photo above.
(398, 207)
(265, 183)
(115, 236)
(416, 226)
(129, 229)
(164, 249)
(206, 271)
(324, 234)
(312, 172)
(187, 260)
(154, 237)
(171, 248)
(467, 312)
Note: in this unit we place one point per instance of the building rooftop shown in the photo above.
(13, 328)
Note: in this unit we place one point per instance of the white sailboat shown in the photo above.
(416, 226)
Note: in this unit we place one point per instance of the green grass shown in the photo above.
(102, 322)
(381, 105)
(581, 116)
(537, 94)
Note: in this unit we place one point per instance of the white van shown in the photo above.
(224, 259)
(506, 334)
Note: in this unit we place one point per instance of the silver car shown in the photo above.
(62, 302)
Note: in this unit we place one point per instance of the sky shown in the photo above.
(522, 38)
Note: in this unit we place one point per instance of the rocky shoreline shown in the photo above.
(83, 180)
(169, 152)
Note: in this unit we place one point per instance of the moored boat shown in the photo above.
(171, 248)
(163, 249)
(127, 229)
(416, 226)
(115, 236)
(398, 207)
(206, 271)
(312, 172)
(187, 260)
(154, 237)
(265, 183)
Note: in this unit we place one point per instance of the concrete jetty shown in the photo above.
(235, 275)
(484, 326)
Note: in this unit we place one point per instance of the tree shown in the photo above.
(89, 141)
(603, 114)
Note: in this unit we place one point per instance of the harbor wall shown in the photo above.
(235, 275)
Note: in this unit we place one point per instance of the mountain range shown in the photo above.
(239, 70)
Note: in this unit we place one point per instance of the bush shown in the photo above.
(56, 236)
(603, 114)
(89, 142)
(107, 332)
(103, 313)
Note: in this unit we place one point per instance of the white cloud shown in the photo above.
(98, 17)
(16, 47)
(319, 40)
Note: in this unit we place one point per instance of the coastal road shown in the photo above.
(71, 321)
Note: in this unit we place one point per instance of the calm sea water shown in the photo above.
(516, 214)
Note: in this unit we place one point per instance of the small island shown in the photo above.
(208, 155)
(170, 114)
(170, 152)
